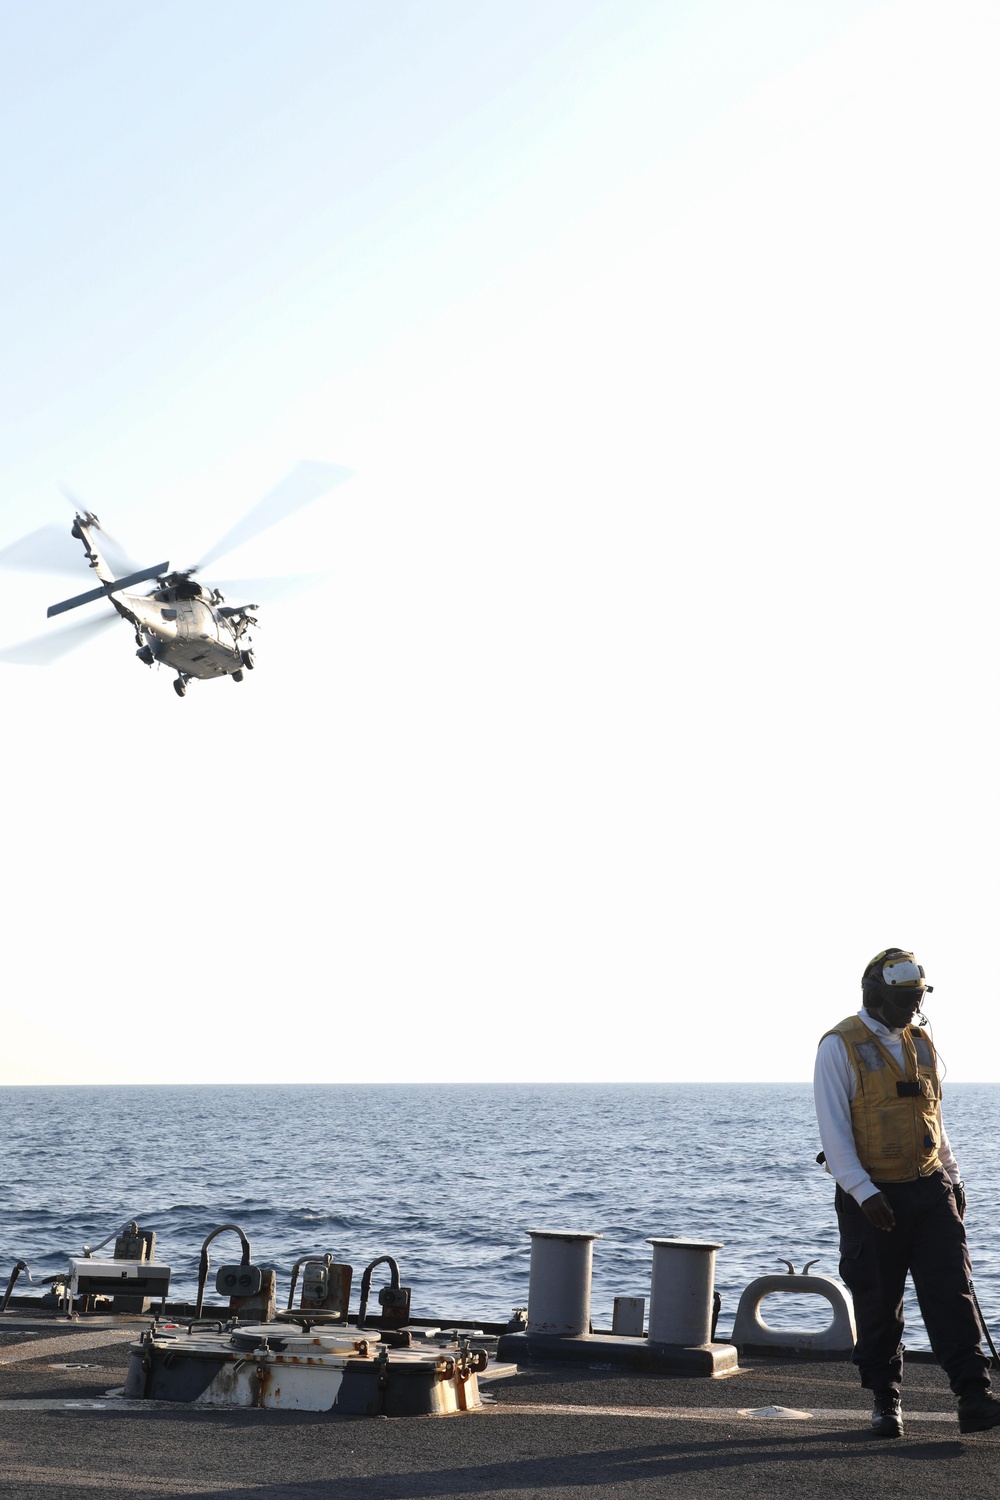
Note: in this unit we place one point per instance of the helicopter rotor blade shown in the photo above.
(306, 482)
(268, 590)
(54, 549)
(43, 650)
(114, 587)
(50, 549)
(119, 561)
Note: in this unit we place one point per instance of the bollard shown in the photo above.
(680, 1299)
(559, 1281)
(680, 1313)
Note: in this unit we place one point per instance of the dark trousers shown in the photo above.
(928, 1241)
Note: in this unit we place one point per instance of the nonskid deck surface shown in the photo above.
(778, 1428)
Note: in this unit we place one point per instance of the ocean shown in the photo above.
(447, 1179)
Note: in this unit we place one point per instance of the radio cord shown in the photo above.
(979, 1312)
(982, 1323)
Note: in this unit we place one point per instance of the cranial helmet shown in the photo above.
(894, 976)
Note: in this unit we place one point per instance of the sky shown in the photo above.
(647, 683)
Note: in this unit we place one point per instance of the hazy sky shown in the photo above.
(652, 687)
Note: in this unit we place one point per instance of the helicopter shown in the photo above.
(181, 624)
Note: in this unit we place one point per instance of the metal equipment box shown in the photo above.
(106, 1278)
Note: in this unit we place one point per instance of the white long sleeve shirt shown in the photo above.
(834, 1085)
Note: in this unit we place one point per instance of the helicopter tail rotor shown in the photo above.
(118, 559)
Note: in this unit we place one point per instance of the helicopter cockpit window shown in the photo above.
(189, 589)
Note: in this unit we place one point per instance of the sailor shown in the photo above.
(900, 1200)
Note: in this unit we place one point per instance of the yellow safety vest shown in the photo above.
(897, 1134)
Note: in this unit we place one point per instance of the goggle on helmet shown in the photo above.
(895, 969)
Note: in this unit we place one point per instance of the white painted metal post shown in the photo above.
(559, 1285)
(680, 1299)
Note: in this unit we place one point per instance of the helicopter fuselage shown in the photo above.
(188, 635)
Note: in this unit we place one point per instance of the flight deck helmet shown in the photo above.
(894, 983)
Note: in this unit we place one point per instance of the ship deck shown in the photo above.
(779, 1427)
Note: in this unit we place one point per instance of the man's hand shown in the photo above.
(958, 1189)
(877, 1211)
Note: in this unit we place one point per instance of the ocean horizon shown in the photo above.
(447, 1178)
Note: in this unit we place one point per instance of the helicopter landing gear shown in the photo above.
(246, 657)
(145, 655)
(237, 676)
(180, 685)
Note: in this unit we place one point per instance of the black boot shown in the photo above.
(978, 1410)
(887, 1414)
